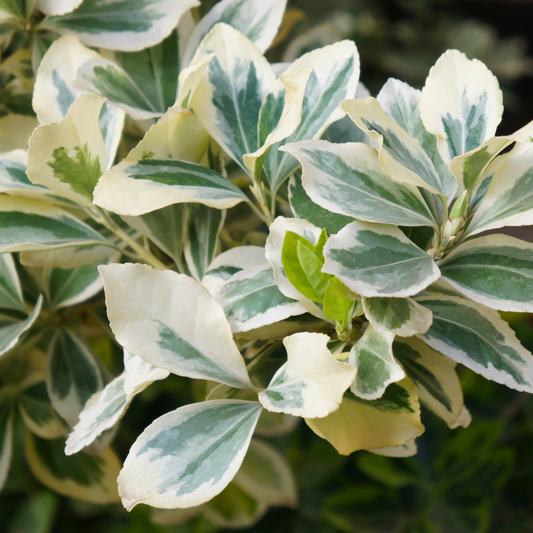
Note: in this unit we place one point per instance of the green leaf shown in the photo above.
(302, 267)
(169, 334)
(10, 289)
(6, 440)
(37, 514)
(242, 282)
(144, 84)
(11, 329)
(182, 466)
(471, 110)
(73, 375)
(201, 243)
(335, 76)
(401, 156)
(312, 382)
(478, 338)
(336, 304)
(83, 477)
(274, 254)
(258, 22)
(348, 179)
(376, 367)
(495, 271)
(121, 24)
(19, 8)
(303, 207)
(402, 316)
(32, 225)
(434, 376)
(38, 413)
(267, 476)
(106, 407)
(358, 424)
(138, 187)
(378, 260)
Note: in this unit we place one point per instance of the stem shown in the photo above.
(103, 218)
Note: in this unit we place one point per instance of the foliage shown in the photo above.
(300, 250)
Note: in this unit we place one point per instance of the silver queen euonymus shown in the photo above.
(374, 280)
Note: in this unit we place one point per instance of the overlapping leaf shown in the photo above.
(182, 467)
(242, 281)
(358, 424)
(478, 338)
(121, 24)
(348, 179)
(167, 333)
(378, 260)
(312, 383)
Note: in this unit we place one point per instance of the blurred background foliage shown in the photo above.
(471, 480)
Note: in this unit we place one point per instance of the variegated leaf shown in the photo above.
(471, 167)
(242, 281)
(201, 241)
(38, 413)
(32, 225)
(266, 475)
(273, 248)
(13, 179)
(68, 258)
(103, 410)
(402, 103)
(461, 103)
(67, 287)
(69, 157)
(478, 338)
(10, 290)
(509, 198)
(402, 316)
(495, 271)
(54, 92)
(378, 260)
(434, 376)
(335, 76)
(144, 84)
(294, 85)
(168, 333)
(258, 22)
(376, 367)
(137, 187)
(404, 450)
(303, 207)
(83, 477)
(311, 383)
(155, 224)
(189, 79)
(228, 99)
(177, 135)
(57, 7)
(180, 467)
(73, 375)
(121, 24)
(11, 329)
(15, 132)
(401, 156)
(348, 179)
(358, 424)
(6, 440)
